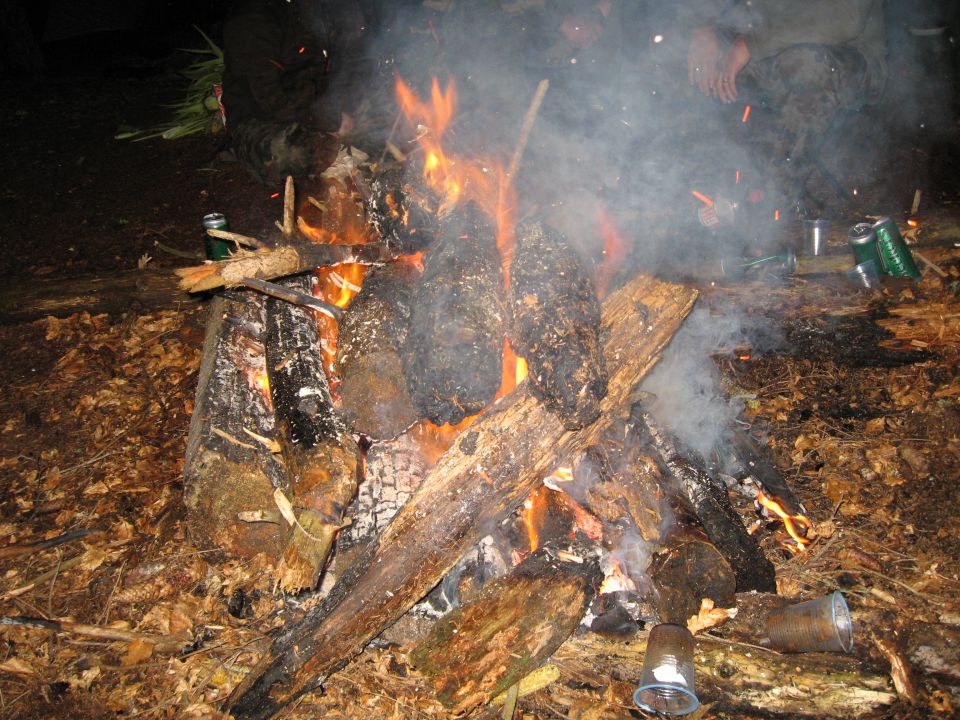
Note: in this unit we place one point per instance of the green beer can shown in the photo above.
(215, 248)
(894, 253)
(863, 244)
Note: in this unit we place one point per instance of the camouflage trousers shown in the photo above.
(271, 151)
(805, 89)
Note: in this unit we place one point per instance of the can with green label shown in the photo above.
(862, 240)
(894, 253)
(215, 248)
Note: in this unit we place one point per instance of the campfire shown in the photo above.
(444, 413)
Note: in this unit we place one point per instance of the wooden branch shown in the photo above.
(737, 676)
(484, 476)
(160, 643)
(513, 625)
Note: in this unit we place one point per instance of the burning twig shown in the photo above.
(527, 127)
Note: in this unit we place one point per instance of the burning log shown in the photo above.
(514, 624)
(708, 498)
(483, 477)
(320, 456)
(230, 471)
(754, 459)
(403, 210)
(373, 388)
(555, 325)
(278, 262)
(453, 352)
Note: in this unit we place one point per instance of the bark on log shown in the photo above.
(736, 676)
(116, 293)
(453, 353)
(555, 325)
(708, 498)
(685, 574)
(514, 624)
(278, 262)
(485, 475)
(373, 389)
(321, 458)
(227, 471)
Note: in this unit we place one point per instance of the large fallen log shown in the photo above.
(230, 471)
(321, 458)
(485, 475)
(515, 623)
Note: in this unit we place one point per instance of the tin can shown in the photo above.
(215, 248)
(863, 244)
(894, 253)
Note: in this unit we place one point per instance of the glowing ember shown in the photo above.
(738, 177)
(795, 525)
(776, 215)
(746, 114)
(614, 250)
(701, 197)
(913, 223)
(616, 580)
(534, 512)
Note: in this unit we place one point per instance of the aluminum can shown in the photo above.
(215, 248)
(894, 253)
(863, 244)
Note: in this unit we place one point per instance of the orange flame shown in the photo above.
(614, 250)
(534, 511)
(616, 580)
(701, 197)
(913, 223)
(791, 523)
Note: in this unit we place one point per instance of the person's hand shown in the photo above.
(732, 63)
(702, 58)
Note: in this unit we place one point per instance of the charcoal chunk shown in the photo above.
(555, 325)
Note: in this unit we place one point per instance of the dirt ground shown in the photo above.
(94, 414)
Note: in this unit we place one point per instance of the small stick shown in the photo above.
(295, 297)
(289, 224)
(930, 264)
(918, 193)
(510, 705)
(389, 142)
(235, 237)
(527, 127)
(31, 548)
(161, 643)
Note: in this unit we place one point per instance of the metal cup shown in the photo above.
(865, 275)
(821, 625)
(815, 234)
(666, 685)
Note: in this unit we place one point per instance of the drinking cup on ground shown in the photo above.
(821, 625)
(666, 685)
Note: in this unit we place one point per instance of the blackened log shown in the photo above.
(321, 457)
(403, 210)
(689, 571)
(708, 498)
(373, 389)
(227, 471)
(555, 324)
(487, 473)
(515, 623)
(453, 352)
(754, 459)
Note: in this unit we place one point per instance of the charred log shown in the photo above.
(482, 478)
(453, 352)
(402, 210)
(754, 459)
(321, 458)
(512, 626)
(555, 325)
(708, 498)
(373, 390)
(227, 471)
(689, 571)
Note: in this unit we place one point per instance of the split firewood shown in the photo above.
(284, 260)
(403, 210)
(453, 352)
(320, 456)
(373, 388)
(513, 625)
(735, 676)
(708, 498)
(485, 476)
(229, 474)
(555, 324)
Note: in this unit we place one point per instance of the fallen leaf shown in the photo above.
(138, 651)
